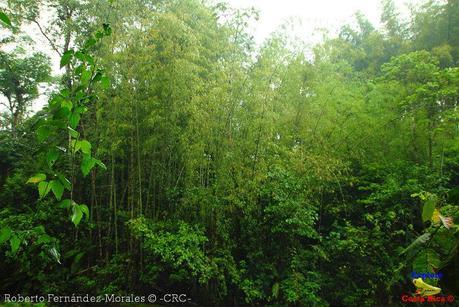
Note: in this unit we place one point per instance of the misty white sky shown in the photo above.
(308, 16)
(311, 15)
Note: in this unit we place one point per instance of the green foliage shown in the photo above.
(64, 113)
(5, 19)
(428, 208)
(66, 58)
(5, 234)
(37, 178)
(77, 213)
(177, 246)
(20, 76)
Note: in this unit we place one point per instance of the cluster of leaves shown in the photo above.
(434, 249)
(178, 246)
(63, 116)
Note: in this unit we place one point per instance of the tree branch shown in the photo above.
(47, 37)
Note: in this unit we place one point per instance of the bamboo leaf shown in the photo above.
(5, 19)
(100, 164)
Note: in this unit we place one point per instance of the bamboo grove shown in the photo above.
(175, 155)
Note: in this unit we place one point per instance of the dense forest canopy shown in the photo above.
(177, 156)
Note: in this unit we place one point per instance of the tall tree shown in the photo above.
(20, 76)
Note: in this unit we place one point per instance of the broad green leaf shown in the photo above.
(37, 178)
(89, 59)
(428, 208)
(74, 119)
(66, 203)
(75, 146)
(43, 132)
(56, 100)
(85, 210)
(54, 124)
(80, 109)
(66, 58)
(73, 133)
(80, 56)
(422, 239)
(89, 43)
(85, 77)
(62, 113)
(427, 260)
(100, 163)
(79, 69)
(15, 242)
(52, 156)
(85, 147)
(65, 92)
(77, 214)
(39, 229)
(65, 182)
(5, 234)
(57, 188)
(43, 239)
(87, 164)
(444, 241)
(5, 19)
(67, 104)
(43, 188)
